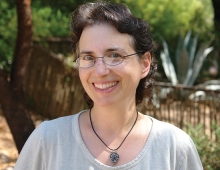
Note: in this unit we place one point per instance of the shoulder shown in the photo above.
(50, 134)
(57, 128)
(170, 131)
(59, 125)
(61, 122)
(172, 137)
(177, 143)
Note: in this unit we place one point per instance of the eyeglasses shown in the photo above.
(111, 59)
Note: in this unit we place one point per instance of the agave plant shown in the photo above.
(188, 61)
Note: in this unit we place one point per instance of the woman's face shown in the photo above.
(108, 85)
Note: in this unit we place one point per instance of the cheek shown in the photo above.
(130, 76)
(82, 76)
(133, 71)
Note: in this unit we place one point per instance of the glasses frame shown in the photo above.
(123, 57)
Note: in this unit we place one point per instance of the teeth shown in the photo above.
(105, 86)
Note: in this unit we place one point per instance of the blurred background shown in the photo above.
(38, 78)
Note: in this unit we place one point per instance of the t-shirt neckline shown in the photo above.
(101, 165)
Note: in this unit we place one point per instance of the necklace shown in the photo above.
(114, 156)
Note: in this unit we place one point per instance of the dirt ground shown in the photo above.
(8, 151)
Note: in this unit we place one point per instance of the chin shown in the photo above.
(104, 103)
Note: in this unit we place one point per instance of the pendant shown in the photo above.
(114, 157)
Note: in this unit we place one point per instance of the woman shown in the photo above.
(114, 56)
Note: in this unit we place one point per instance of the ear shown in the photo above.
(145, 62)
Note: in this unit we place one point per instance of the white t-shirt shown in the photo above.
(58, 145)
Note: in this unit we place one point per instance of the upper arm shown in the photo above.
(32, 156)
(191, 159)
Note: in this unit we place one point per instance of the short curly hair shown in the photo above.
(124, 21)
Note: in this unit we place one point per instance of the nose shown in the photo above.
(100, 68)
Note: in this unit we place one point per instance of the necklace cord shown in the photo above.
(103, 141)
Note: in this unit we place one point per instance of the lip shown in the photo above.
(105, 86)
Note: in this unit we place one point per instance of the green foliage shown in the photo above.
(169, 18)
(188, 61)
(65, 6)
(208, 148)
(8, 29)
(47, 22)
(50, 23)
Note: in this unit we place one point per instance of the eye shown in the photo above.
(87, 57)
(114, 55)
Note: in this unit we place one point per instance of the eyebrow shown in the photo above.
(115, 49)
(108, 50)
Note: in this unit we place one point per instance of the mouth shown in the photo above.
(105, 86)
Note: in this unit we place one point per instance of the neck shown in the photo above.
(113, 119)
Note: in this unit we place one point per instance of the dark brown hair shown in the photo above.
(120, 17)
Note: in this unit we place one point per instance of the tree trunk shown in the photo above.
(216, 7)
(12, 96)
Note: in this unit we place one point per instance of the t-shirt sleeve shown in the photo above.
(32, 154)
(191, 159)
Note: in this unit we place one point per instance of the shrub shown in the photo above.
(208, 147)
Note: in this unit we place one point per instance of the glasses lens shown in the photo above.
(113, 59)
(85, 62)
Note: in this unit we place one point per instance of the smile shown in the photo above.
(105, 86)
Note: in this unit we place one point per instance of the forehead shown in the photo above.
(100, 37)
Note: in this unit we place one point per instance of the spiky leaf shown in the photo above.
(200, 57)
(168, 65)
(182, 65)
